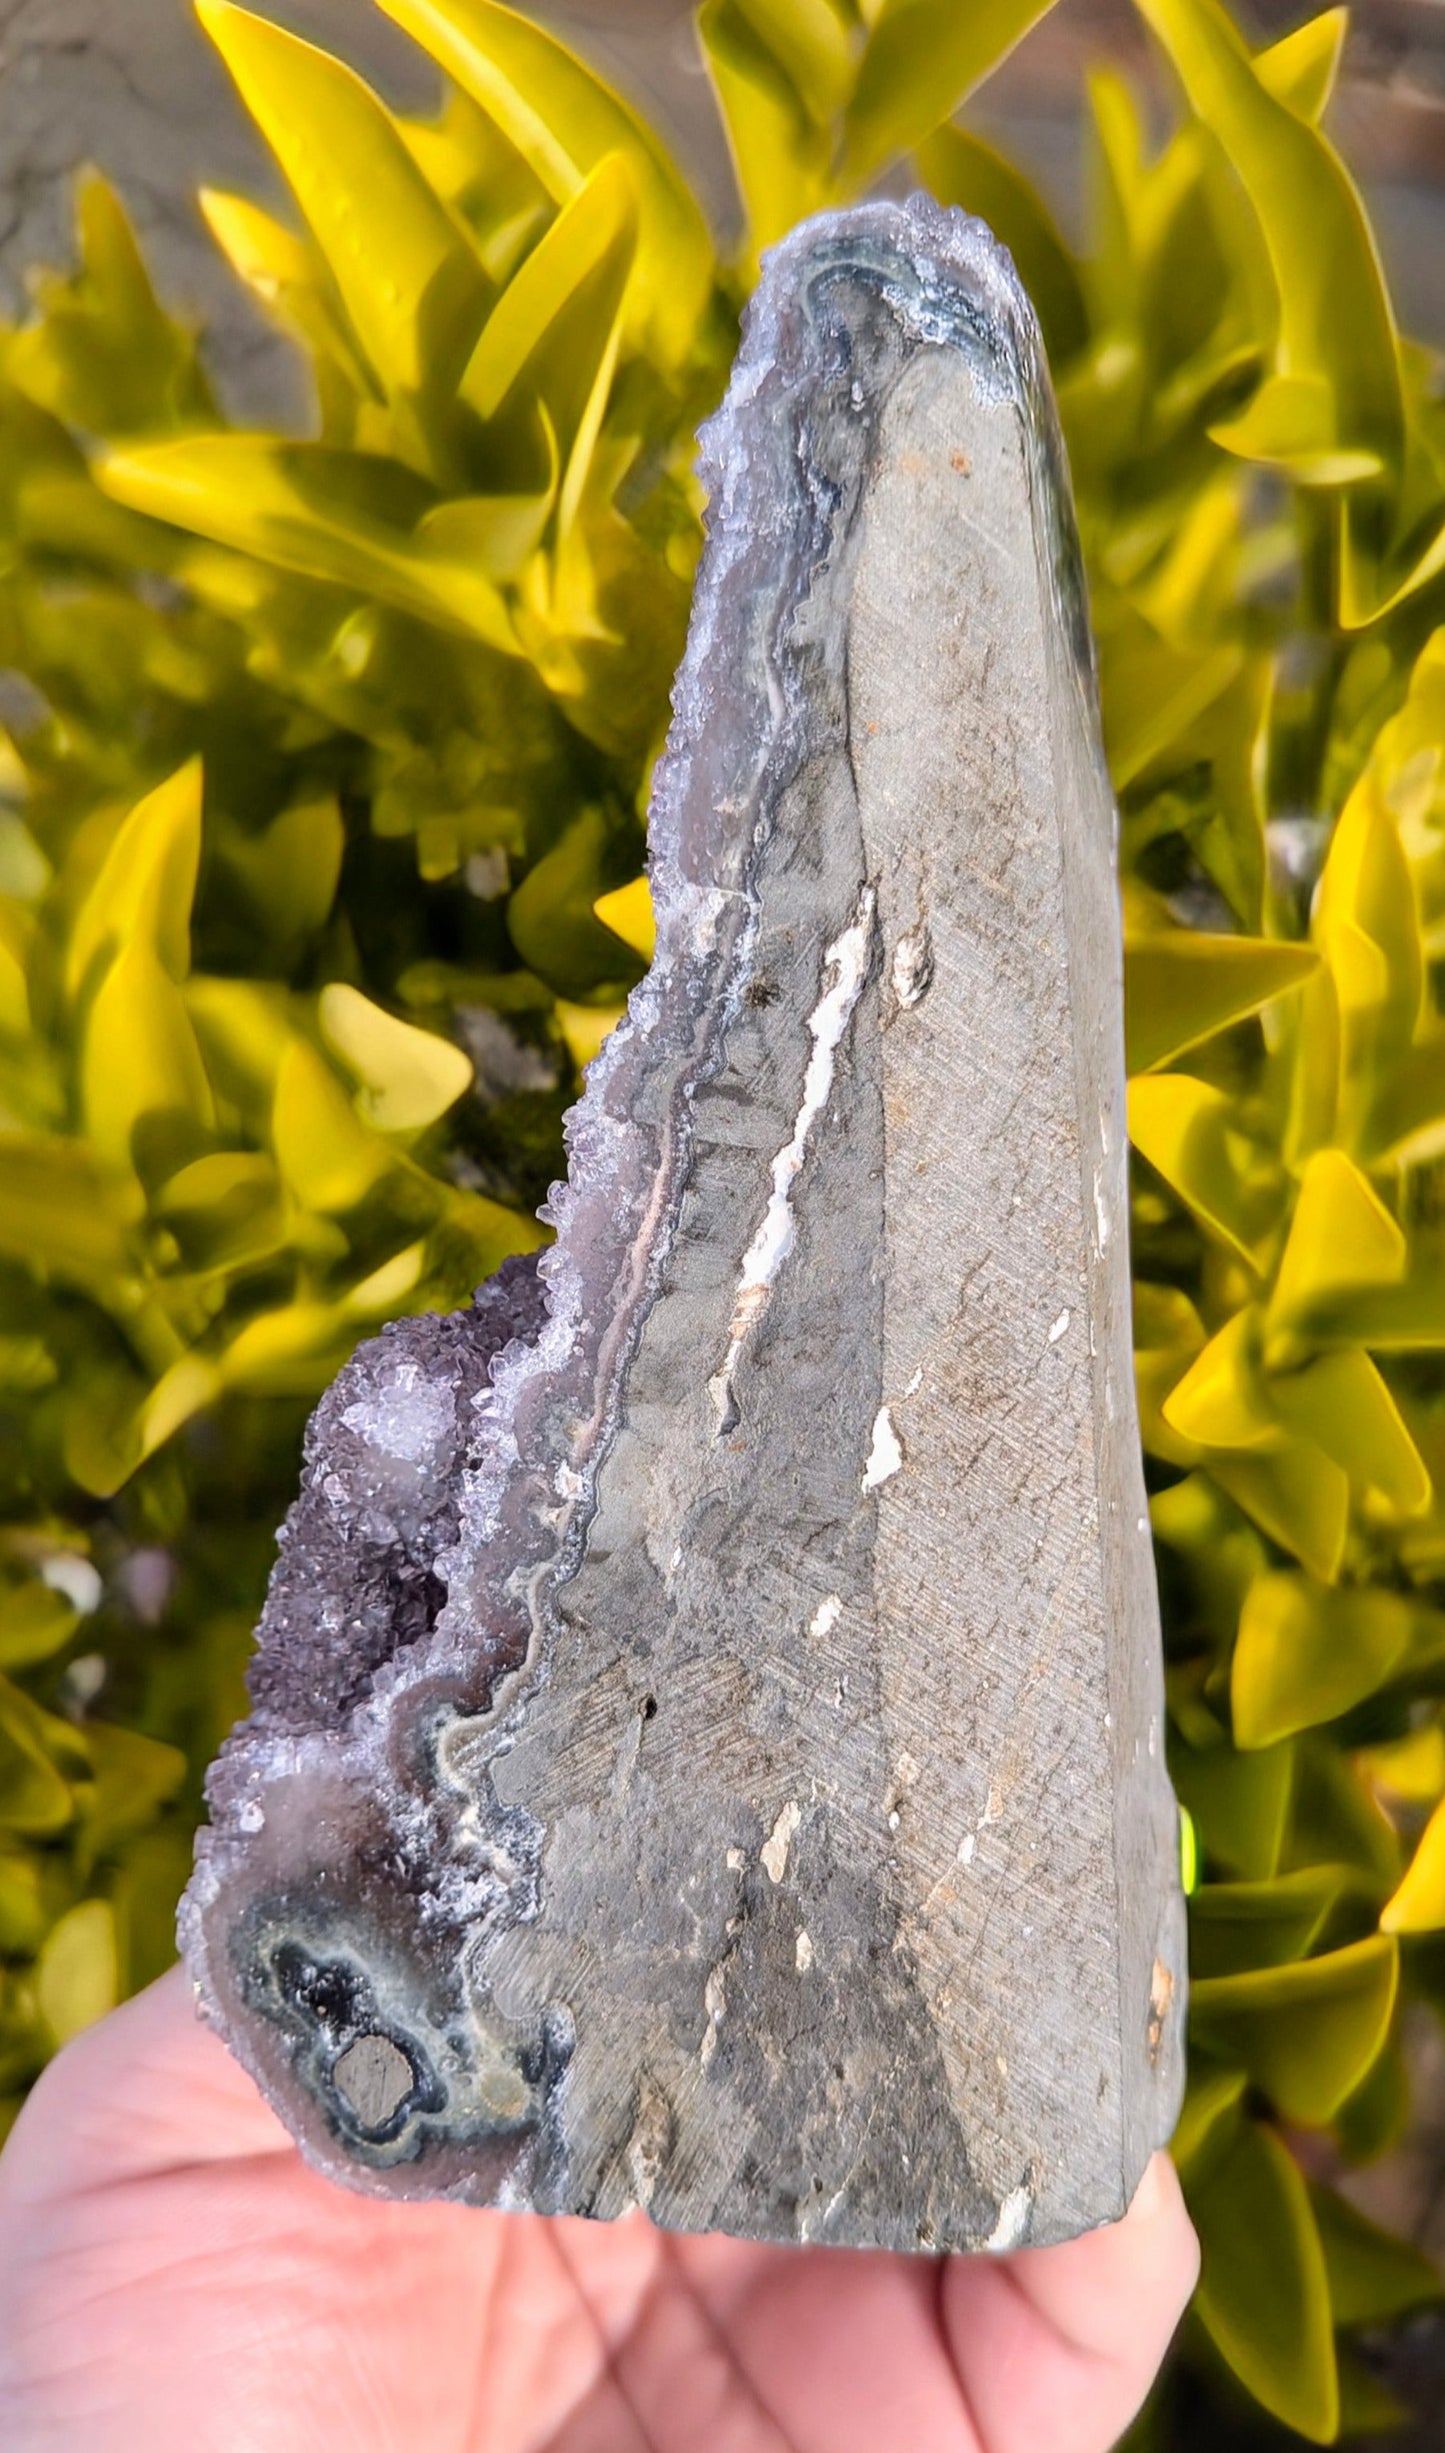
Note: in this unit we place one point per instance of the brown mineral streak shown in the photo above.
(772, 1826)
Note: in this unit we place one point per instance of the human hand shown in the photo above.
(174, 2279)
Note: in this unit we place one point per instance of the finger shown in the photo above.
(1060, 2346)
(146, 2088)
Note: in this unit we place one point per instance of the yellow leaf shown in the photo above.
(1302, 67)
(326, 1155)
(1342, 1402)
(600, 220)
(289, 277)
(389, 1285)
(1367, 926)
(1411, 1768)
(77, 1979)
(1184, 1128)
(1335, 327)
(61, 1214)
(292, 1351)
(627, 911)
(584, 1027)
(923, 57)
(408, 1077)
(1222, 1400)
(563, 120)
(1181, 986)
(412, 283)
(1297, 1495)
(1306, 1653)
(1419, 1904)
(1342, 1241)
(186, 1388)
(781, 150)
(350, 518)
(146, 883)
(141, 1059)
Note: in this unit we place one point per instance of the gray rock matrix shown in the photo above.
(707, 1740)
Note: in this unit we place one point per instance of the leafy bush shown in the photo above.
(323, 754)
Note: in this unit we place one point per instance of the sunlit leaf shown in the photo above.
(105, 355)
(413, 285)
(564, 121)
(1187, 1130)
(408, 1077)
(923, 56)
(1418, 1906)
(346, 517)
(1341, 1239)
(326, 1155)
(627, 911)
(146, 883)
(1336, 338)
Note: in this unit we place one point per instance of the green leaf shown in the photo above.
(923, 57)
(413, 286)
(1240, 1802)
(1373, 2276)
(563, 120)
(34, 1623)
(134, 1776)
(61, 1214)
(1234, 1926)
(962, 170)
(1307, 2033)
(77, 1978)
(35, 1792)
(1209, 2122)
(551, 918)
(1263, 2293)
(1297, 1495)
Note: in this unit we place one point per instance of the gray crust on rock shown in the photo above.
(707, 1747)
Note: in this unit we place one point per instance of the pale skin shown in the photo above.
(174, 2279)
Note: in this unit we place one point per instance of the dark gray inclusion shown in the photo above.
(705, 1732)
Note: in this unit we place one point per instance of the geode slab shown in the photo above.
(706, 1747)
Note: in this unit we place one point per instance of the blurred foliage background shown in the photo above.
(322, 794)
